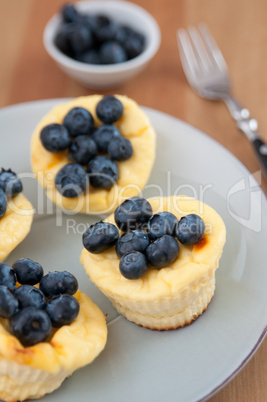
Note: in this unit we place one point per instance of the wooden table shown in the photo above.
(239, 26)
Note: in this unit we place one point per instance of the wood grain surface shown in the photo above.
(239, 26)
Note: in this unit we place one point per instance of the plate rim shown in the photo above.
(234, 159)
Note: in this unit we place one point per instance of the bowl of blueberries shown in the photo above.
(102, 44)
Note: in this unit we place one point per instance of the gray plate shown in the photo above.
(191, 363)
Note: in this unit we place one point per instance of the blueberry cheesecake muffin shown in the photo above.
(48, 329)
(92, 152)
(156, 259)
(16, 213)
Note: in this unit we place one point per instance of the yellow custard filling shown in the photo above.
(72, 346)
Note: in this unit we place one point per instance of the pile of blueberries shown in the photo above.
(97, 39)
(88, 147)
(10, 185)
(148, 239)
(32, 311)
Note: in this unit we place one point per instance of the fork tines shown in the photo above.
(199, 50)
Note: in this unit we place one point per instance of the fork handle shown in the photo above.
(261, 151)
(249, 127)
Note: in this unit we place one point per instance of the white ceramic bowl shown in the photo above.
(113, 75)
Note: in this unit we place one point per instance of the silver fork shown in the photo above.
(207, 73)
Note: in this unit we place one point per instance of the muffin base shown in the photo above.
(20, 382)
(193, 307)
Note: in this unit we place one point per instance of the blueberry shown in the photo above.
(29, 296)
(62, 39)
(92, 56)
(120, 149)
(134, 240)
(103, 172)
(190, 229)
(100, 237)
(112, 53)
(10, 183)
(71, 180)
(162, 252)
(69, 13)
(109, 109)
(8, 277)
(134, 45)
(82, 149)
(80, 38)
(164, 223)
(133, 265)
(3, 203)
(133, 213)
(104, 28)
(123, 33)
(79, 121)
(88, 20)
(56, 283)
(132, 41)
(55, 138)
(8, 303)
(31, 326)
(28, 272)
(62, 310)
(105, 134)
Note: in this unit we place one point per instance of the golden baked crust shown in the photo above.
(172, 296)
(133, 173)
(29, 373)
(15, 224)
